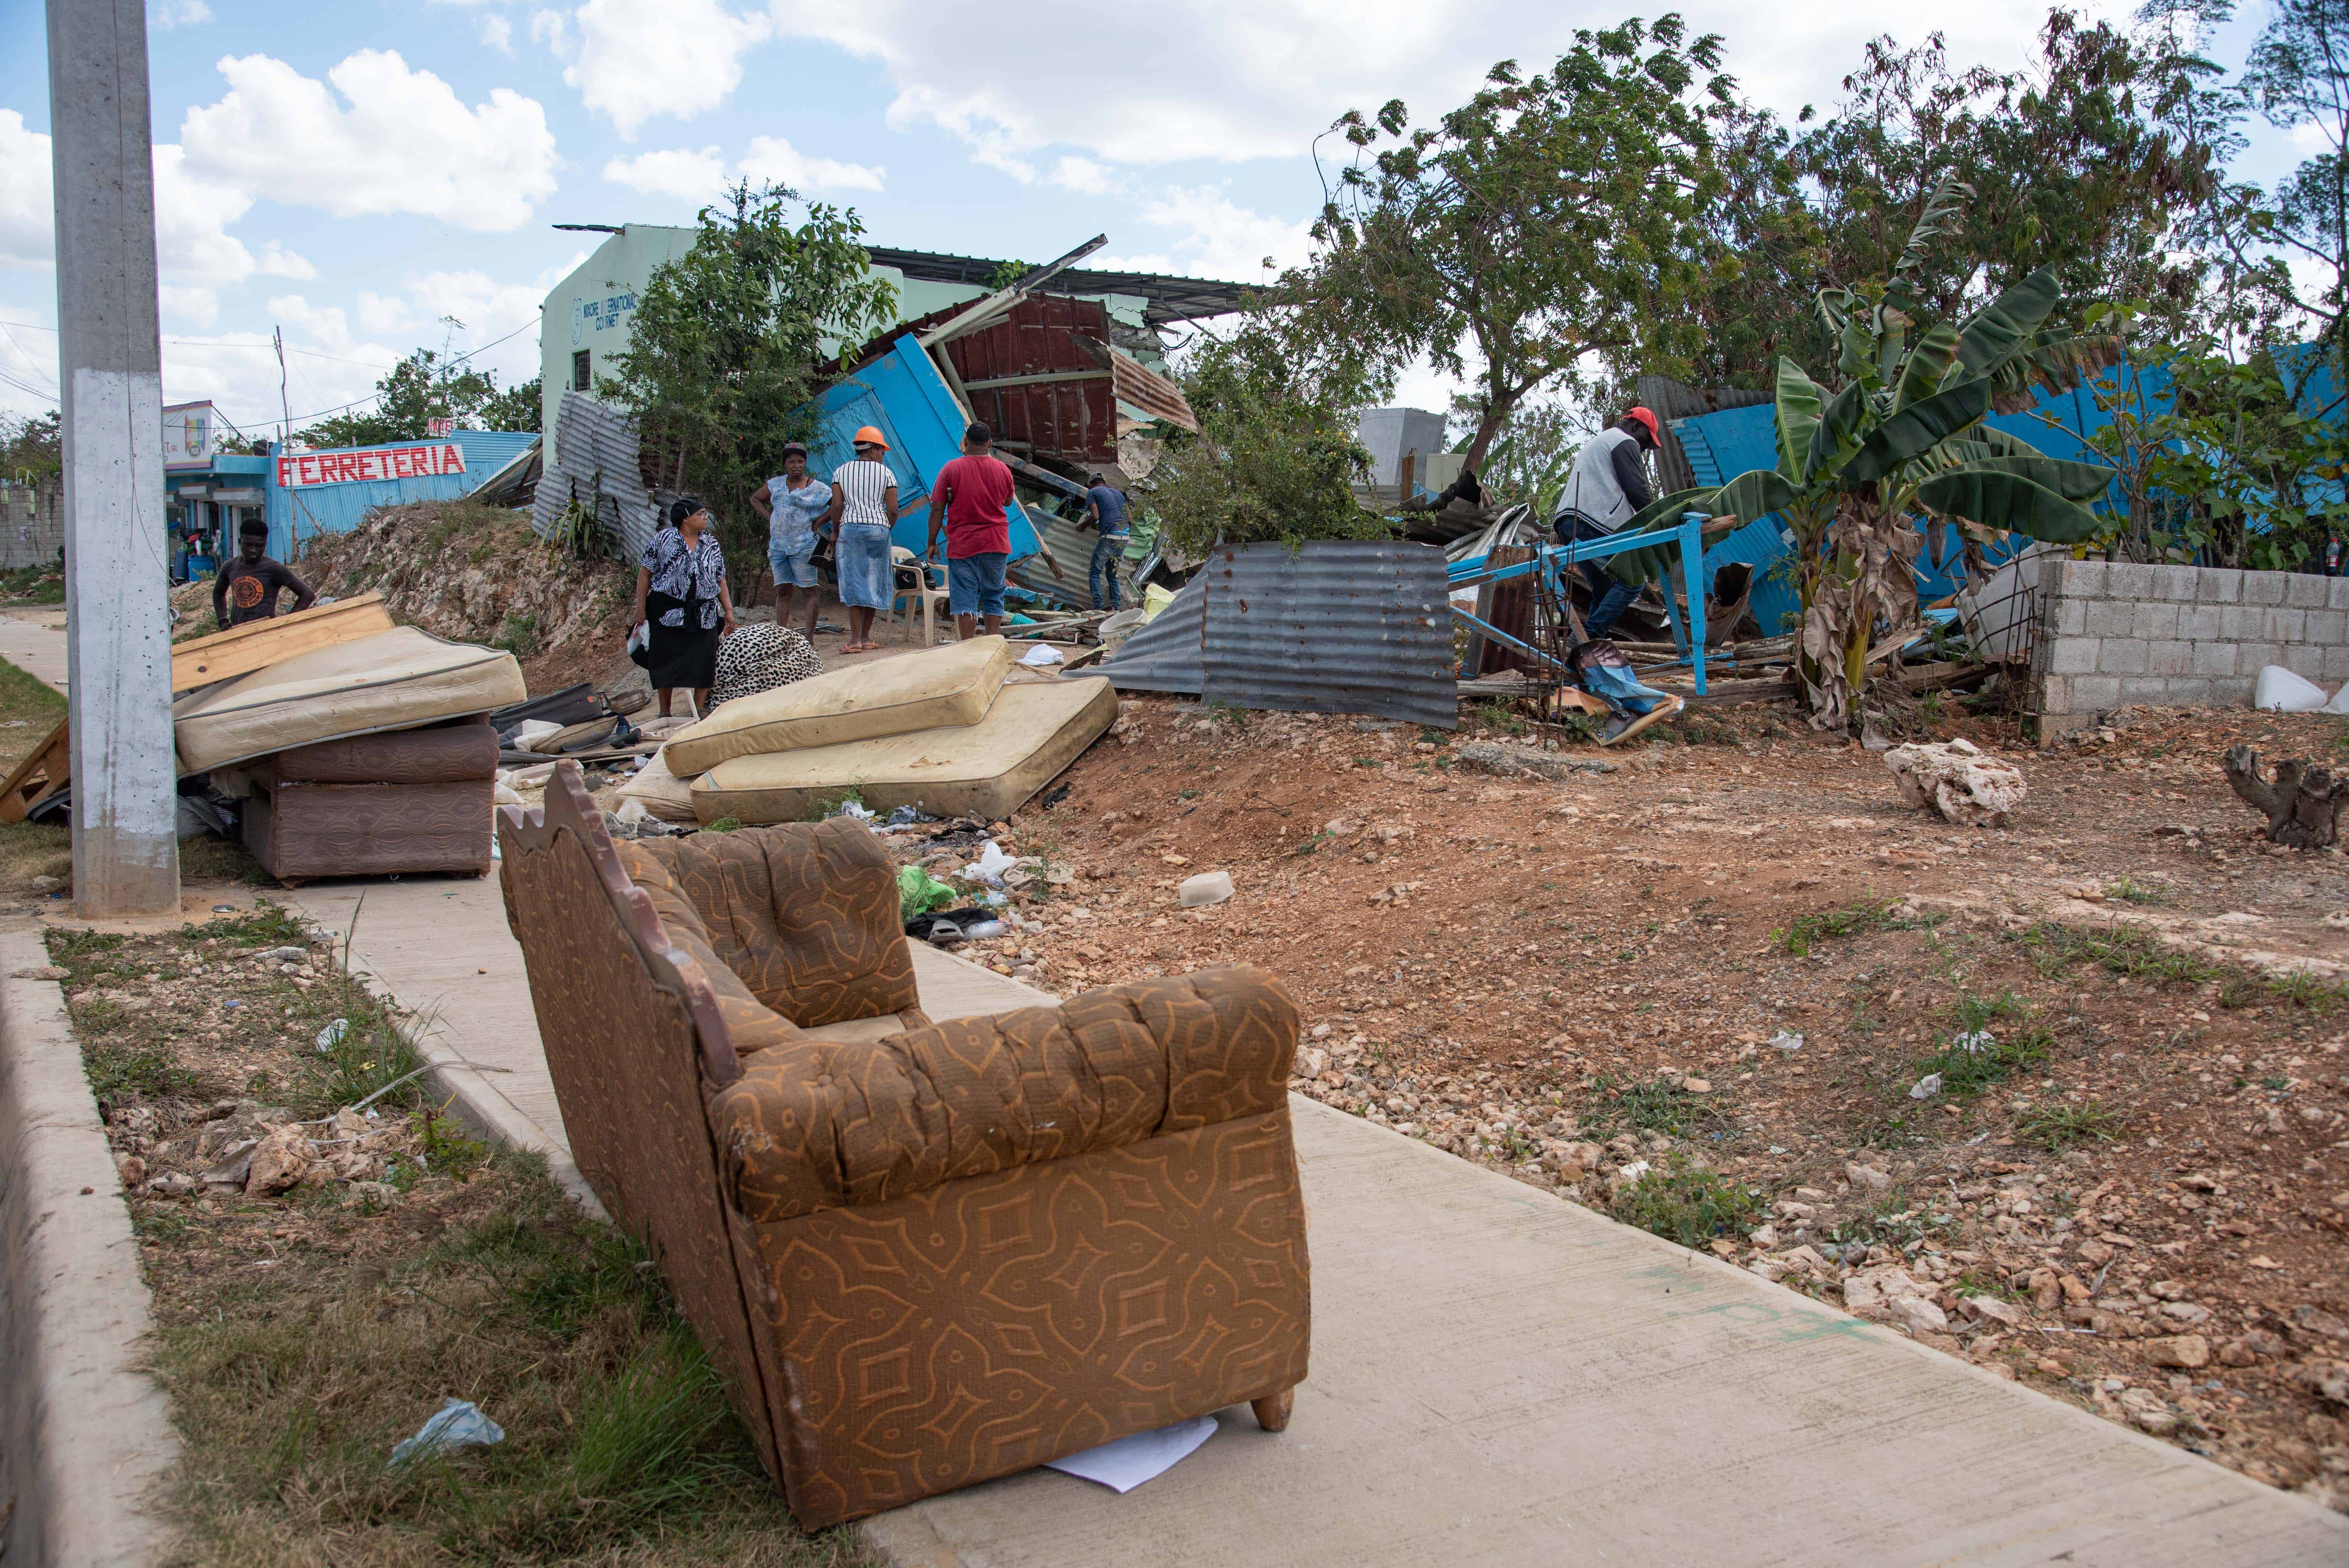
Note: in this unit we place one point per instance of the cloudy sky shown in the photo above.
(354, 173)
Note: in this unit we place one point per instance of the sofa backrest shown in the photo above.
(806, 913)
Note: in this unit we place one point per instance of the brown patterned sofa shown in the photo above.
(920, 1255)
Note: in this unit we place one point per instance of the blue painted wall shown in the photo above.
(902, 396)
(311, 510)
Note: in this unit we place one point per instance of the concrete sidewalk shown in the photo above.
(33, 640)
(1498, 1377)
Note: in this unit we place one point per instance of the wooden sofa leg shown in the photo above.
(1272, 1412)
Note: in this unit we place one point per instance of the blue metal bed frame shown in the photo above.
(1554, 560)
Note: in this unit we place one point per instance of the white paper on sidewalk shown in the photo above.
(1128, 1462)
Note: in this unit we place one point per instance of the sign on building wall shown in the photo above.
(187, 437)
(436, 429)
(361, 465)
(598, 315)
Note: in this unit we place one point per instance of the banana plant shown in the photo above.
(1902, 439)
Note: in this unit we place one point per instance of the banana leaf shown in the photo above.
(1917, 429)
(1836, 421)
(2072, 481)
(1929, 364)
(1942, 211)
(1753, 496)
(1995, 498)
(1721, 507)
(2008, 324)
(1797, 407)
(2055, 362)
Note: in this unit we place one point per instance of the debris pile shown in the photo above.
(1956, 781)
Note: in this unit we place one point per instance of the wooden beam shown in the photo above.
(258, 645)
(38, 777)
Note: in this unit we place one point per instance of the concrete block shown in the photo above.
(2287, 626)
(2336, 592)
(2327, 628)
(2306, 662)
(2129, 580)
(2200, 622)
(2084, 579)
(2264, 587)
(2055, 694)
(2053, 724)
(2233, 693)
(2214, 659)
(2252, 657)
(2156, 619)
(2111, 618)
(2242, 623)
(2150, 689)
(2303, 591)
(2335, 664)
(2175, 584)
(2071, 617)
(2093, 694)
(2218, 586)
(2072, 656)
(2188, 691)
(2168, 658)
(2121, 656)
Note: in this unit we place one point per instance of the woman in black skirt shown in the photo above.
(683, 602)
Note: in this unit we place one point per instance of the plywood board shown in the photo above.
(258, 645)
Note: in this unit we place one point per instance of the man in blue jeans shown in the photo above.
(1607, 486)
(968, 503)
(1106, 510)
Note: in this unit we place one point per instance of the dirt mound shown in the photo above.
(477, 574)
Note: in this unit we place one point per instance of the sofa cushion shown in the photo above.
(806, 914)
(816, 1124)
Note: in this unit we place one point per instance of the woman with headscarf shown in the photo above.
(683, 603)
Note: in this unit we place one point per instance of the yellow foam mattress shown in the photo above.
(947, 686)
(983, 770)
(392, 680)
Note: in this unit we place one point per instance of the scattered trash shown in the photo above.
(2280, 690)
(1926, 1088)
(991, 864)
(1059, 792)
(531, 730)
(1128, 1462)
(919, 892)
(1786, 1040)
(459, 1423)
(1206, 888)
(1976, 1042)
(333, 1034)
(1042, 656)
(852, 810)
(986, 930)
(1953, 779)
(223, 908)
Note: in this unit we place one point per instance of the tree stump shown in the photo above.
(2302, 802)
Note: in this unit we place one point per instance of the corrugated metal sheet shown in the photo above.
(1670, 400)
(596, 460)
(1142, 387)
(1342, 625)
(1165, 655)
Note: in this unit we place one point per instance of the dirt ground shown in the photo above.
(1724, 966)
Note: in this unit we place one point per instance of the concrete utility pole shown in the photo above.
(125, 855)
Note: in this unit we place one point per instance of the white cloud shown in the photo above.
(405, 143)
(1237, 79)
(495, 31)
(26, 209)
(1216, 237)
(701, 174)
(1085, 176)
(633, 59)
(380, 313)
(174, 14)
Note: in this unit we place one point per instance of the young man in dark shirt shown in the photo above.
(247, 587)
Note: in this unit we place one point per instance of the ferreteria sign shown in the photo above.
(359, 465)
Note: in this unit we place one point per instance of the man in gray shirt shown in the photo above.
(1608, 486)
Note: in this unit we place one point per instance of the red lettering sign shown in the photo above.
(363, 465)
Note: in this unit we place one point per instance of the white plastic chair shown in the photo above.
(909, 578)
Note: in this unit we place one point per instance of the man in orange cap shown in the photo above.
(1607, 485)
(863, 505)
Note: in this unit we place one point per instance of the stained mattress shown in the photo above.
(301, 830)
(983, 770)
(393, 680)
(951, 685)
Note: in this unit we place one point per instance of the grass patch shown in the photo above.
(1851, 920)
(209, 858)
(1658, 1106)
(293, 1385)
(32, 585)
(2057, 1128)
(119, 1075)
(2056, 948)
(1990, 1039)
(824, 806)
(2128, 890)
(1687, 1205)
(519, 635)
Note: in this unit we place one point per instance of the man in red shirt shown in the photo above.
(968, 502)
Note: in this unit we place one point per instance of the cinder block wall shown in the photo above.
(2112, 632)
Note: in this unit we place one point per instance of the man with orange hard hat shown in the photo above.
(1609, 484)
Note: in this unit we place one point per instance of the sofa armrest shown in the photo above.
(812, 1124)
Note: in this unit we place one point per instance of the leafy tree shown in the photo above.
(1275, 456)
(1550, 224)
(418, 390)
(518, 408)
(30, 446)
(1903, 436)
(2298, 77)
(726, 347)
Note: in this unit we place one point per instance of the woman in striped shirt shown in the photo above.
(863, 505)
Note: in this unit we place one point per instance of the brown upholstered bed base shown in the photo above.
(411, 800)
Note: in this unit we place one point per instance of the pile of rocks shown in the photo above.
(235, 1148)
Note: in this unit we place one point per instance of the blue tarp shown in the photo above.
(902, 394)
